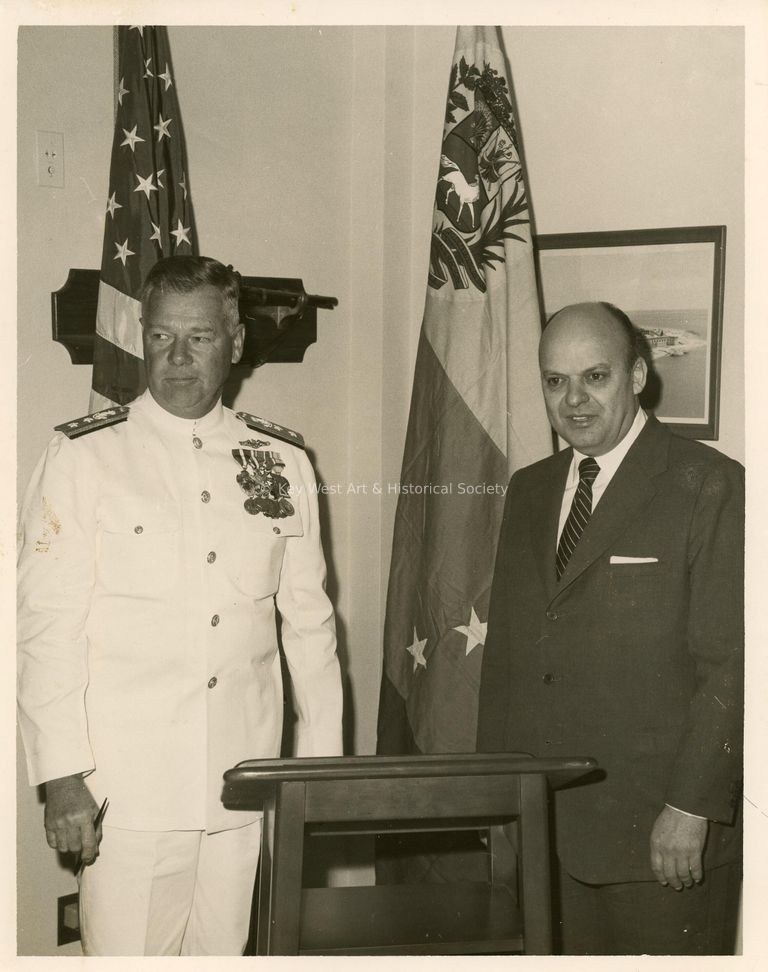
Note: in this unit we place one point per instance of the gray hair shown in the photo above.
(184, 274)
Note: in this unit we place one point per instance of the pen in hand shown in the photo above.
(96, 821)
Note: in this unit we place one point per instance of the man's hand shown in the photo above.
(69, 814)
(677, 843)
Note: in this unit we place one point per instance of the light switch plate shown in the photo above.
(50, 159)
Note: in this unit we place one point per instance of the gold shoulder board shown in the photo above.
(96, 420)
(270, 428)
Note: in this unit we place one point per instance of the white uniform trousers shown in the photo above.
(178, 892)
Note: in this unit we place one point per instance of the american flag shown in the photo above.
(148, 212)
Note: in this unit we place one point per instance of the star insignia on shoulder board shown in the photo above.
(271, 428)
(96, 420)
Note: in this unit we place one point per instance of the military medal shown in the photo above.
(261, 479)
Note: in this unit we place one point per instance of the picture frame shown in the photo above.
(670, 282)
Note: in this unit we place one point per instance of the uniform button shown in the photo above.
(548, 678)
(275, 529)
(212, 682)
(215, 620)
(211, 557)
(205, 496)
(197, 443)
(552, 615)
(138, 529)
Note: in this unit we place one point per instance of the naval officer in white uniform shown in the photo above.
(156, 540)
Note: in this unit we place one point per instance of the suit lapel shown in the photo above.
(633, 486)
(545, 515)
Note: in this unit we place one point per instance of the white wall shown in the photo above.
(64, 86)
(313, 153)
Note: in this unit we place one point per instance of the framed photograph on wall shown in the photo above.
(670, 283)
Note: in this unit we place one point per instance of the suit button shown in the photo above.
(215, 620)
(211, 557)
(138, 529)
(197, 442)
(275, 529)
(552, 615)
(548, 678)
(205, 496)
(212, 682)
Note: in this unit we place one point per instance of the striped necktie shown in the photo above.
(581, 510)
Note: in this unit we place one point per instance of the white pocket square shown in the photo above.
(634, 560)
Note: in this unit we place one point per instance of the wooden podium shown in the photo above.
(385, 794)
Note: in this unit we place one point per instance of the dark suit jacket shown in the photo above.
(640, 665)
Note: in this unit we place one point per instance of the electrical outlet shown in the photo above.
(50, 159)
(68, 920)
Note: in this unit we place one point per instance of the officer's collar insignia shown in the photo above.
(96, 420)
(271, 428)
(261, 479)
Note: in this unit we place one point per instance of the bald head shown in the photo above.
(591, 375)
(610, 314)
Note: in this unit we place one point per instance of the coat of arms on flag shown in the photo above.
(479, 156)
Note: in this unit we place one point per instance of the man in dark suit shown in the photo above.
(615, 631)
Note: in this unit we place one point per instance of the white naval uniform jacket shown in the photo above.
(147, 641)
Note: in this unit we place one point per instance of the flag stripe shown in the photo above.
(118, 376)
(99, 402)
(443, 540)
(118, 319)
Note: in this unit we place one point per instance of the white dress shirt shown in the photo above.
(608, 463)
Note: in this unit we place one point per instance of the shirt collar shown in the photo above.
(610, 461)
(174, 423)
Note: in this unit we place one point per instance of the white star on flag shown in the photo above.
(417, 650)
(147, 72)
(475, 631)
(162, 127)
(181, 234)
(122, 91)
(157, 176)
(123, 252)
(166, 76)
(112, 205)
(145, 185)
(156, 234)
(183, 183)
(131, 138)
